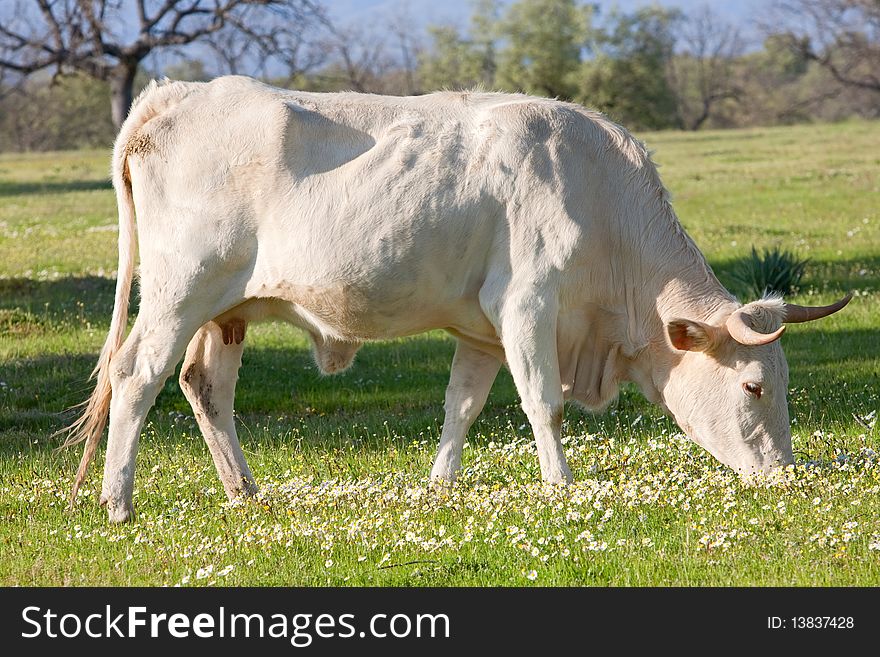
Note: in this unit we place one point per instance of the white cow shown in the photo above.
(534, 231)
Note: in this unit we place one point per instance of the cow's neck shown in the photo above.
(674, 281)
(665, 278)
(693, 293)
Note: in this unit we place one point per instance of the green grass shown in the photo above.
(343, 461)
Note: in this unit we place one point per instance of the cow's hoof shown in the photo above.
(240, 489)
(558, 476)
(117, 511)
(443, 484)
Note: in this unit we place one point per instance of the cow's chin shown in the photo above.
(747, 462)
(695, 437)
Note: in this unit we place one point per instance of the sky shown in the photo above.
(373, 15)
(457, 12)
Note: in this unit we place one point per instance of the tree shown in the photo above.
(451, 61)
(94, 37)
(191, 70)
(402, 28)
(544, 42)
(484, 38)
(702, 72)
(256, 41)
(627, 78)
(782, 86)
(457, 61)
(358, 60)
(39, 115)
(773, 83)
(842, 36)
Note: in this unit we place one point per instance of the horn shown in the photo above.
(745, 334)
(795, 314)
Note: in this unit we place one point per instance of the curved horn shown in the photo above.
(795, 314)
(745, 334)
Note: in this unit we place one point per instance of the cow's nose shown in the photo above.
(786, 456)
(765, 463)
(781, 461)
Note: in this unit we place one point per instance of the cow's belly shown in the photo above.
(356, 279)
(348, 312)
(345, 313)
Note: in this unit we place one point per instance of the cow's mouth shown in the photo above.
(757, 465)
(694, 436)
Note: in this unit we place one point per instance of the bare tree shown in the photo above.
(403, 28)
(252, 43)
(95, 37)
(702, 72)
(358, 58)
(842, 36)
(381, 56)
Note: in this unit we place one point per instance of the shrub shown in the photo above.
(774, 271)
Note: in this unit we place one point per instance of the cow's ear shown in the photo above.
(687, 335)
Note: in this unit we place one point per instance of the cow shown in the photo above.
(534, 231)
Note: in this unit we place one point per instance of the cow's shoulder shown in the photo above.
(528, 120)
(526, 117)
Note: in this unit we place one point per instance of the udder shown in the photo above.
(333, 356)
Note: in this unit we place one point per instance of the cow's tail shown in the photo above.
(89, 426)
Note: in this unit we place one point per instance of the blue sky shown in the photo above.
(457, 12)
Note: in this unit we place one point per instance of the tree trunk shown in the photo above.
(701, 119)
(121, 90)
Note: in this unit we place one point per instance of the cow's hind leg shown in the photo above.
(208, 378)
(470, 380)
(528, 334)
(137, 373)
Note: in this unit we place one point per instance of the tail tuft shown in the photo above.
(89, 426)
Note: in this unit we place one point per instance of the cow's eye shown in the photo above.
(753, 389)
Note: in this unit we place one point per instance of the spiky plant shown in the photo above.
(773, 271)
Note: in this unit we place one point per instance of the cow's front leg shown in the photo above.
(208, 378)
(528, 333)
(470, 380)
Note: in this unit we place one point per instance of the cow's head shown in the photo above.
(726, 384)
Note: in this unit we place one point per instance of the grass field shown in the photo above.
(343, 461)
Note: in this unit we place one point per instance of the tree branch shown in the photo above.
(26, 69)
(847, 31)
(870, 82)
(97, 29)
(46, 10)
(78, 34)
(148, 24)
